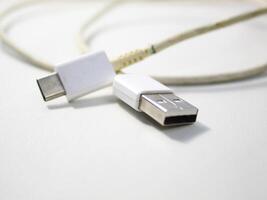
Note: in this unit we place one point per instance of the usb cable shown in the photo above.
(140, 92)
(127, 59)
(91, 72)
(144, 94)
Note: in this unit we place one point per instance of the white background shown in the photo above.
(98, 148)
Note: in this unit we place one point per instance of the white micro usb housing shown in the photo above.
(147, 95)
(78, 77)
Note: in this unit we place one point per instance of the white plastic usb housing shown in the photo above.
(147, 95)
(78, 77)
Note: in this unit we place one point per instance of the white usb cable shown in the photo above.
(90, 72)
(138, 55)
(144, 94)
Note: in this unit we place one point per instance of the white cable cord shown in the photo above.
(28, 57)
(82, 45)
(138, 55)
(22, 53)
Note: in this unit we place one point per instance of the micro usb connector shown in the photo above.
(77, 77)
(144, 94)
(51, 87)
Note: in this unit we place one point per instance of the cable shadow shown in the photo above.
(85, 103)
(184, 134)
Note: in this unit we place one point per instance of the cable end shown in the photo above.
(168, 109)
(77, 77)
(51, 87)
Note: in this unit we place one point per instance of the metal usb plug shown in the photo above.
(168, 109)
(51, 87)
(145, 94)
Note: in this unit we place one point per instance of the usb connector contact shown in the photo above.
(144, 94)
(168, 109)
(51, 87)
